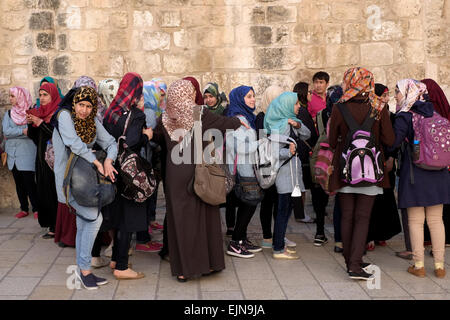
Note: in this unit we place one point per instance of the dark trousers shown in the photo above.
(97, 247)
(144, 235)
(269, 208)
(356, 210)
(244, 216)
(319, 201)
(25, 188)
(405, 226)
(120, 249)
(299, 208)
(281, 221)
(337, 214)
(230, 210)
(165, 248)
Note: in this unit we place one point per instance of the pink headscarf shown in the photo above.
(412, 91)
(23, 103)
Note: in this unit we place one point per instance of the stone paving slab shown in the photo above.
(35, 268)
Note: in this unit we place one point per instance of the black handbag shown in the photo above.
(248, 190)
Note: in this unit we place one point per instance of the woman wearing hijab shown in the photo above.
(85, 81)
(107, 90)
(127, 216)
(214, 99)
(40, 131)
(198, 94)
(441, 106)
(269, 203)
(422, 192)
(281, 118)
(356, 202)
(77, 129)
(384, 220)
(20, 149)
(243, 142)
(195, 237)
(49, 80)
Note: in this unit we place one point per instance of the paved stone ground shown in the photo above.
(34, 268)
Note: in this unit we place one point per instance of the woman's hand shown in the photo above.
(34, 120)
(244, 124)
(294, 123)
(148, 132)
(292, 148)
(99, 166)
(109, 169)
(25, 131)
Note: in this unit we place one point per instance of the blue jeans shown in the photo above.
(86, 234)
(281, 221)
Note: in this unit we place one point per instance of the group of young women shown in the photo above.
(156, 120)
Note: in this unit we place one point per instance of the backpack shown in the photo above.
(432, 138)
(267, 163)
(361, 161)
(136, 174)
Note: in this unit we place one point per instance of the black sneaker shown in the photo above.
(89, 282)
(338, 249)
(100, 281)
(360, 275)
(237, 249)
(320, 240)
(250, 247)
(365, 265)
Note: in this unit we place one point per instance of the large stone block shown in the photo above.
(20, 74)
(23, 45)
(308, 33)
(155, 40)
(49, 4)
(177, 63)
(144, 63)
(332, 33)
(260, 82)
(106, 3)
(415, 52)
(342, 55)
(109, 65)
(73, 18)
(214, 37)
(83, 41)
(434, 9)
(5, 78)
(277, 58)
(444, 75)
(314, 56)
(201, 60)
(237, 79)
(119, 19)
(118, 41)
(62, 42)
(225, 15)
(41, 20)
(254, 15)
(39, 66)
(221, 78)
(282, 34)
(415, 29)
(356, 32)
(12, 21)
(284, 14)
(376, 54)
(170, 19)
(315, 11)
(183, 39)
(194, 17)
(253, 35)
(436, 43)
(234, 58)
(390, 30)
(406, 8)
(96, 19)
(45, 41)
(346, 10)
(5, 56)
(61, 66)
(12, 5)
(142, 19)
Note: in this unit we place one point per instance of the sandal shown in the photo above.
(139, 275)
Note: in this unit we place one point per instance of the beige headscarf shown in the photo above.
(179, 110)
(268, 96)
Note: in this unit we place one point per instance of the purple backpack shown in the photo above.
(361, 161)
(433, 136)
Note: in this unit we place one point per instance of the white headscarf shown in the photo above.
(412, 91)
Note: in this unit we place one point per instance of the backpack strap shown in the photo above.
(350, 121)
(320, 124)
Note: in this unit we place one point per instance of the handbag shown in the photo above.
(49, 155)
(209, 179)
(248, 190)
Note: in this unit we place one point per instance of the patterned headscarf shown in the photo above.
(268, 96)
(280, 110)
(213, 89)
(179, 111)
(85, 128)
(107, 90)
(50, 80)
(127, 98)
(359, 80)
(198, 94)
(46, 112)
(155, 95)
(412, 91)
(23, 103)
(438, 98)
(85, 81)
(238, 106)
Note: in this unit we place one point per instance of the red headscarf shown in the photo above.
(198, 94)
(45, 112)
(127, 97)
(438, 98)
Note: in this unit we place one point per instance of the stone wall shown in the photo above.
(232, 42)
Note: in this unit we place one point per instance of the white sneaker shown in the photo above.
(285, 255)
(289, 243)
(307, 219)
(108, 251)
(99, 262)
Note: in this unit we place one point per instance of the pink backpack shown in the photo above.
(432, 141)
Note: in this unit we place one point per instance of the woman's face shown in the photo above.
(385, 97)
(398, 95)
(12, 99)
(297, 107)
(83, 109)
(210, 100)
(44, 97)
(250, 99)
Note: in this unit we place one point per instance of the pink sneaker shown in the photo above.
(21, 214)
(148, 247)
(156, 226)
(36, 215)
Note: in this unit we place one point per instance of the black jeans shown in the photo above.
(230, 210)
(120, 249)
(269, 209)
(244, 216)
(25, 188)
(319, 201)
(337, 219)
(97, 245)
